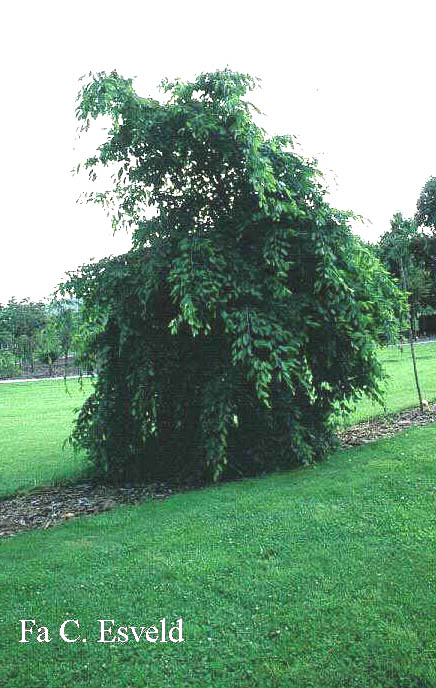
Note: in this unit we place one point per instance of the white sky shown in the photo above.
(354, 80)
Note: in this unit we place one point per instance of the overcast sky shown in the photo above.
(353, 80)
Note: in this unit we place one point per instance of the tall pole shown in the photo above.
(412, 347)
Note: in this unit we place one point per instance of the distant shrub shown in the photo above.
(49, 357)
(8, 366)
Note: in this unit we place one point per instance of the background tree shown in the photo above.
(246, 313)
(49, 345)
(426, 205)
(20, 323)
(65, 319)
(27, 328)
(404, 251)
(425, 249)
(396, 247)
(5, 334)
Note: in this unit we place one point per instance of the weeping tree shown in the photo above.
(245, 314)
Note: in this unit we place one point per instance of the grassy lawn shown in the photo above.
(400, 387)
(320, 578)
(35, 419)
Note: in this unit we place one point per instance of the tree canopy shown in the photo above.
(40, 329)
(20, 323)
(401, 251)
(426, 205)
(245, 314)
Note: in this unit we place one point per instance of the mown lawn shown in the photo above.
(400, 386)
(35, 419)
(320, 578)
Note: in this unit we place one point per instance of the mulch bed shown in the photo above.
(386, 426)
(46, 507)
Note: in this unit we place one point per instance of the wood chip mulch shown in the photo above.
(46, 507)
(387, 426)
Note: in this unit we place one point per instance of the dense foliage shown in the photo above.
(245, 313)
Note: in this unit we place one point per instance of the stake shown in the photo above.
(412, 347)
(415, 370)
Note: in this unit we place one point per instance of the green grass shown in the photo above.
(318, 578)
(35, 419)
(400, 387)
